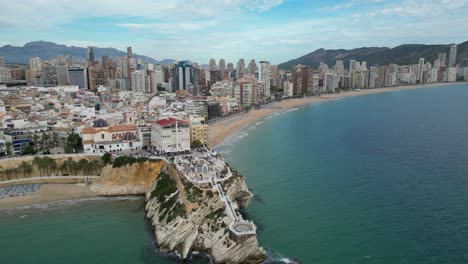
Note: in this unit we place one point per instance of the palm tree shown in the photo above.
(29, 170)
(45, 138)
(53, 165)
(15, 171)
(8, 148)
(36, 139)
(37, 161)
(64, 167)
(25, 167)
(8, 172)
(84, 165)
(96, 165)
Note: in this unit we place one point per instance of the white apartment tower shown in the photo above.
(264, 75)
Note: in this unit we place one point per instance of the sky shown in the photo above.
(274, 30)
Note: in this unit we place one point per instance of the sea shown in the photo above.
(380, 178)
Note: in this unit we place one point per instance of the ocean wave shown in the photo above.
(274, 257)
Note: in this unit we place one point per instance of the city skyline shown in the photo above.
(201, 30)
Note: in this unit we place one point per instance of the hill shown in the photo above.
(403, 54)
(49, 50)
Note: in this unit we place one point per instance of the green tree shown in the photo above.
(74, 143)
(196, 143)
(29, 150)
(106, 158)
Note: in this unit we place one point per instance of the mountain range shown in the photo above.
(49, 50)
(403, 54)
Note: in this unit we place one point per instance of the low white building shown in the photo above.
(102, 138)
(170, 135)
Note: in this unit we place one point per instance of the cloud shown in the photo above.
(231, 29)
(352, 3)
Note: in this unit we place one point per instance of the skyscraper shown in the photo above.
(421, 70)
(212, 65)
(240, 69)
(2, 62)
(352, 65)
(222, 67)
(90, 54)
(442, 58)
(62, 74)
(264, 75)
(182, 76)
(138, 81)
(453, 55)
(129, 52)
(252, 68)
(339, 67)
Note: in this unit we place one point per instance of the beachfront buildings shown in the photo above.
(102, 137)
(170, 135)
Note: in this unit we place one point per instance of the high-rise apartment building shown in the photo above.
(222, 68)
(264, 75)
(421, 70)
(78, 76)
(240, 70)
(453, 55)
(183, 76)
(62, 75)
(212, 65)
(90, 54)
(442, 59)
(138, 82)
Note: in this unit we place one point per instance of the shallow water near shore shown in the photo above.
(370, 179)
(94, 230)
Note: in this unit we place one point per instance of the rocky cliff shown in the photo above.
(188, 217)
(134, 179)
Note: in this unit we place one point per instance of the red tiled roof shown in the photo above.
(167, 121)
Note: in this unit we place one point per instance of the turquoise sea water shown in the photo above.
(371, 179)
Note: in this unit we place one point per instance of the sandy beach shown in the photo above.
(49, 193)
(221, 130)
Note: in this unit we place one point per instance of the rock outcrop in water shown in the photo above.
(188, 217)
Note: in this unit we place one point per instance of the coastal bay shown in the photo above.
(221, 130)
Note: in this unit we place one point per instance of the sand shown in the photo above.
(221, 130)
(49, 193)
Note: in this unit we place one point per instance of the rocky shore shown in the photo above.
(189, 218)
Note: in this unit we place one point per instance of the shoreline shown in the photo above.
(224, 129)
(50, 193)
